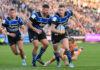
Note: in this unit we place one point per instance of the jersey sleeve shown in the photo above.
(33, 18)
(49, 21)
(54, 21)
(70, 13)
(4, 23)
(20, 21)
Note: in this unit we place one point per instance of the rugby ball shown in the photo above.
(60, 27)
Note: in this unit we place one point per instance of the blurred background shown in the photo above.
(88, 15)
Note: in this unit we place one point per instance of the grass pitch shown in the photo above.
(89, 59)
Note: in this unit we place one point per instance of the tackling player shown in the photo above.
(36, 33)
(74, 53)
(12, 24)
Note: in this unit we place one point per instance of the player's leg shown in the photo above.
(43, 48)
(12, 43)
(33, 37)
(53, 59)
(50, 61)
(34, 53)
(20, 46)
(14, 49)
(63, 56)
(75, 56)
(65, 43)
(56, 53)
(45, 43)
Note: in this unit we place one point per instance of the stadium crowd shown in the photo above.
(88, 14)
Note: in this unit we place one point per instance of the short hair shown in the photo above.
(12, 9)
(61, 6)
(72, 40)
(45, 6)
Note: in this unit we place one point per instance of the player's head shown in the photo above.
(71, 41)
(12, 12)
(61, 10)
(45, 9)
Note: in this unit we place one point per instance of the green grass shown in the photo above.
(89, 59)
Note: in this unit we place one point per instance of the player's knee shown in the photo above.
(16, 53)
(46, 44)
(55, 50)
(61, 56)
(36, 47)
(21, 49)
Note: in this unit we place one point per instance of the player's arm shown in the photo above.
(53, 29)
(75, 56)
(53, 25)
(75, 14)
(78, 22)
(70, 13)
(47, 29)
(22, 25)
(24, 31)
(3, 26)
(2, 31)
(29, 24)
(31, 21)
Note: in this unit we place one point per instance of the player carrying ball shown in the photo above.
(58, 35)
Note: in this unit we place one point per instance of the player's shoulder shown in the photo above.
(69, 12)
(55, 17)
(75, 45)
(8, 18)
(38, 13)
(34, 15)
(18, 18)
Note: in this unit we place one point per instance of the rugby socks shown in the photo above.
(40, 53)
(57, 57)
(68, 53)
(34, 58)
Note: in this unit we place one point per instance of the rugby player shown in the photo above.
(13, 23)
(74, 53)
(36, 33)
(61, 18)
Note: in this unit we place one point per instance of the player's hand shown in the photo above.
(38, 31)
(4, 33)
(12, 34)
(67, 64)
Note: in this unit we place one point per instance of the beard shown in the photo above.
(45, 14)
